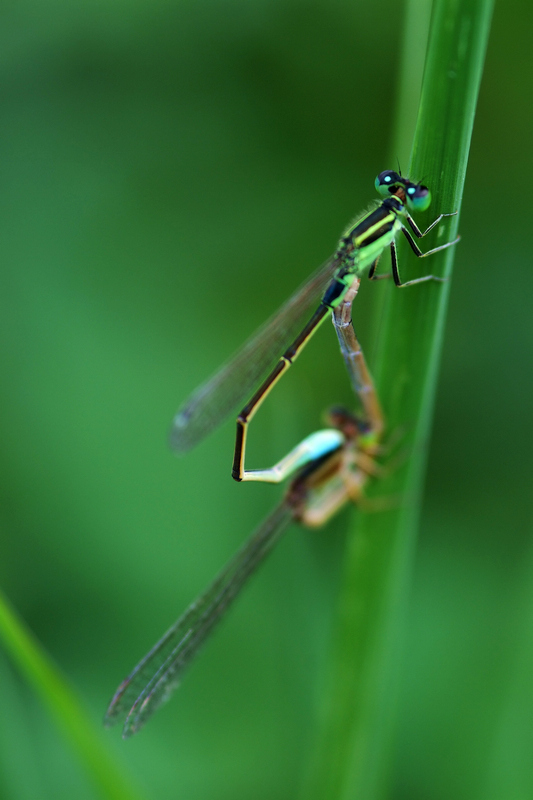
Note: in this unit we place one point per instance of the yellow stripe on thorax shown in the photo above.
(360, 240)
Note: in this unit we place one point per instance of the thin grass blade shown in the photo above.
(64, 707)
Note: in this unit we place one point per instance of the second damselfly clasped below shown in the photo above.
(270, 352)
(327, 470)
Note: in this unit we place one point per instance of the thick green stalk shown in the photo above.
(353, 759)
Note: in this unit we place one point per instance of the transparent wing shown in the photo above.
(235, 382)
(155, 677)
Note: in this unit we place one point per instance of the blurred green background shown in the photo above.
(170, 172)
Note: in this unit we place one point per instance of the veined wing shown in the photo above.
(236, 381)
(155, 677)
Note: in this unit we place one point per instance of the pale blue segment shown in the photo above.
(319, 444)
(315, 446)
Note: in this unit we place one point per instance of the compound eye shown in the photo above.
(418, 197)
(385, 181)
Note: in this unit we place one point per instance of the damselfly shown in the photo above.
(267, 355)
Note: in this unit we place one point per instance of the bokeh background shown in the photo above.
(169, 173)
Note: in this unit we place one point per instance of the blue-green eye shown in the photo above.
(385, 180)
(418, 198)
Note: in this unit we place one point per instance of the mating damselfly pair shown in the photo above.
(328, 469)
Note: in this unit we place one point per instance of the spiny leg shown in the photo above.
(371, 273)
(416, 230)
(419, 254)
(347, 486)
(331, 500)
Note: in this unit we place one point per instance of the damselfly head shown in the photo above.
(387, 182)
(414, 195)
(417, 197)
(346, 422)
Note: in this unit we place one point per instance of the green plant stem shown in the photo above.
(413, 55)
(353, 759)
(64, 706)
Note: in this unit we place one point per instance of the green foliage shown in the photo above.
(150, 147)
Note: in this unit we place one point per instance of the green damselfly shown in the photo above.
(328, 469)
(267, 355)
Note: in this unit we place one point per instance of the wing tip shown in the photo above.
(178, 436)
